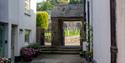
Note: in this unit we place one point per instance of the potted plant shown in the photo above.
(27, 54)
(1, 60)
(4, 60)
(35, 48)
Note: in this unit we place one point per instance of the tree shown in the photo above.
(63, 1)
(44, 6)
(75, 1)
(42, 25)
(42, 20)
(53, 2)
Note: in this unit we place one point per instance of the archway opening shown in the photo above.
(71, 30)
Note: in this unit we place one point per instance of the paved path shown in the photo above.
(70, 41)
(57, 58)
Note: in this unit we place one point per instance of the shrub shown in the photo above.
(35, 46)
(27, 54)
(47, 37)
(36, 49)
(63, 1)
(42, 20)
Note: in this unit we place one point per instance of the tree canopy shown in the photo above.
(42, 20)
(49, 4)
(63, 1)
(75, 1)
(44, 6)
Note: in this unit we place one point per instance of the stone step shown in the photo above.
(60, 52)
(58, 49)
(62, 47)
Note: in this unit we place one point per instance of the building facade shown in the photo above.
(17, 26)
(108, 20)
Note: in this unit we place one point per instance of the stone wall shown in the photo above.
(58, 35)
(70, 10)
(57, 32)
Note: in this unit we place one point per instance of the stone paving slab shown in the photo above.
(57, 58)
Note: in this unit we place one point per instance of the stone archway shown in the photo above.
(57, 30)
(61, 13)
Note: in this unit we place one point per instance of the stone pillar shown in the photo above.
(82, 33)
(57, 32)
(61, 32)
(40, 36)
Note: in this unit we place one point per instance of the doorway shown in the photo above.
(72, 33)
(13, 41)
(2, 41)
(47, 35)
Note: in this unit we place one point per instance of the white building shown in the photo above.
(108, 30)
(17, 26)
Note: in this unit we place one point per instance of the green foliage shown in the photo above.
(63, 1)
(53, 2)
(35, 45)
(75, 1)
(44, 6)
(72, 33)
(48, 36)
(42, 20)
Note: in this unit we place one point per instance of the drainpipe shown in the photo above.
(113, 48)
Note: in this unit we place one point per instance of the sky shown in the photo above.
(40, 0)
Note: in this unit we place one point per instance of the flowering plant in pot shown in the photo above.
(1, 60)
(4, 60)
(27, 54)
(36, 48)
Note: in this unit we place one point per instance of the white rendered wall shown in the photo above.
(12, 13)
(4, 11)
(17, 17)
(121, 30)
(101, 31)
(26, 22)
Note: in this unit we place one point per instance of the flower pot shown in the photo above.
(27, 58)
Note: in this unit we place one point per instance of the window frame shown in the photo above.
(27, 7)
(27, 38)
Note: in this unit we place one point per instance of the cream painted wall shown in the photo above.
(120, 30)
(101, 30)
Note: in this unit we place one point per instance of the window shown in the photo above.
(27, 36)
(27, 7)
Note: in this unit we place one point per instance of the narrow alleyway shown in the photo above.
(57, 58)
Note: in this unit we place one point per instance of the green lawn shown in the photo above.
(72, 33)
(67, 33)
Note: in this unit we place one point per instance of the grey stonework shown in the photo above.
(57, 32)
(58, 35)
(70, 10)
(61, 13)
